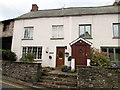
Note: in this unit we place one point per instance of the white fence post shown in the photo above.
(88, 62)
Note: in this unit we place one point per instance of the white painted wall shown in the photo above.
(102, 29)
(102, 33)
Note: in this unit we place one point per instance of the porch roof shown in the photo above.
(78, 39)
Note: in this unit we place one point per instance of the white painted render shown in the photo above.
(102, 34)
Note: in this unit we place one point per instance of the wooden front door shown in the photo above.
(60, 56)
(81, 52)
(81, 57)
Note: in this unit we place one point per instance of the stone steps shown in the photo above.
(58, 80)
(63, 83)
(53, 85)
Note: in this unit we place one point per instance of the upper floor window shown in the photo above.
(6, 26)
(28, 33)
(116, 30)
(57, 31)
(85, 30)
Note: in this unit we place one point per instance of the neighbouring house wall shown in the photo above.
(1, 29)
(9, 29)
(24, 71)
(98, 77)
(6, 28)
(6, 43)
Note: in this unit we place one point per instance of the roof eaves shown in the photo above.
(65, 15)
(86, 41)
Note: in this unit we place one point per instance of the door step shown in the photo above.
(58, 80)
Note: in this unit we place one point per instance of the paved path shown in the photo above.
(6, 85)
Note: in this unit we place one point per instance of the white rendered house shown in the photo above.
(53, 35)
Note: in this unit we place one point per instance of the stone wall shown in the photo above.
(98, 77)
(29, 72)
(9, 28)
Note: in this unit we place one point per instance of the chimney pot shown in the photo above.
(116, 3)
(34, 7)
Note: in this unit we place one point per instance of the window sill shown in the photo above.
(56, 38)
(87, 38)
(37, 59)
(116, 37)
(26, 39)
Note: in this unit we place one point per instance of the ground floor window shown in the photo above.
(37, 51)
(113, 52)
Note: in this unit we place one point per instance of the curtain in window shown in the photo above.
(57, 31)
(85, 31)
(82, 31)
(116, 30)
(28, 32)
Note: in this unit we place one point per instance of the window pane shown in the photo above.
(117, 52)
(57, 31)
(29, 49)
(54, 32)
(115, 32)
(35, 51)
(39, 53)
(28, 32)
(24, 50)
(104, 49)
(111, 54)
(60, 53)
(60, 32)
(82, 31)
(87, 31)
(31, 33)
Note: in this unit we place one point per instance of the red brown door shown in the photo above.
(60, 56)
(81, 51)
(81, 54)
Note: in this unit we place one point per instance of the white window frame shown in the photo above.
(114, 51)
(84, 26)
(57, 33)
(29, 33)
(32, 51)
(118, 29)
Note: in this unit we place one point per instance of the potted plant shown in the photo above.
(65, 68)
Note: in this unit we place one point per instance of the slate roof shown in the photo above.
(74, 11)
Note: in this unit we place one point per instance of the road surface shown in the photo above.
(9, 85)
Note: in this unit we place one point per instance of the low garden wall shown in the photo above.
(29, 72)
(98, 77)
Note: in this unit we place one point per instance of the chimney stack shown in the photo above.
(117, 3)
(34, 7)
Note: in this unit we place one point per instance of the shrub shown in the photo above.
(99, 58)
(8, 55)
(28, 57)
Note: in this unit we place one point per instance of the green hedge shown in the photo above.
(28, 57)
(8, 55)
